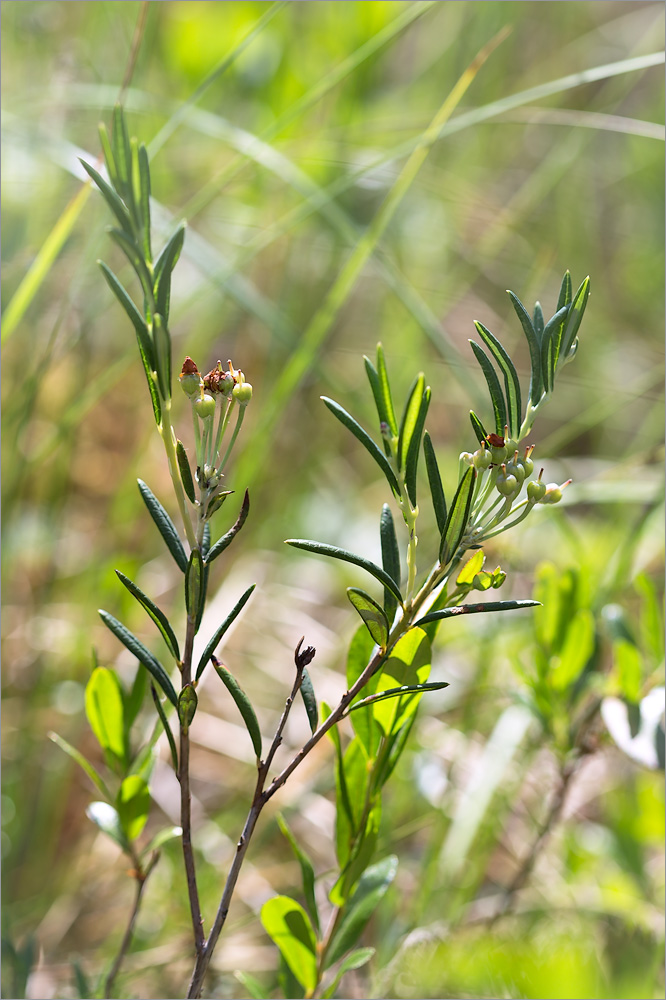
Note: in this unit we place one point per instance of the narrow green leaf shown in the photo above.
(158, 616)
(243, 704)
(161, 838)
(386, 391)
(134, 255)
(309, 699)
(390, 558)
(371, 888)
(475, 609)
(121, 145)
(164, 266)
(458, 516)
(365, 439)
(139, 650)
(550, 347)
(165, 525)
(376, 387)
(496, 397)
(106, 818)
(538, 320)
(398, 692)
(83, 986)
(109, 158)
(307, 871)
(566, 290)
(407, 667)
(144, 183)
(194, 584)
(110, 197)
(226, 540)
(133, 806)
(83, 763)
(252, 986)
(320, 548)
(167, 727)
(287, 923)
(355, 960)
(372, 614)
(435, 482)
(185, 472)
(511, 381)
(534, 344)
(574, 318)
(162, 355)
(409, 418)
(105, 711)
(231, 617)
(414, 449)
(143, 337)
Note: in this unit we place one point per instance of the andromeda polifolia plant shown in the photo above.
(389, 661)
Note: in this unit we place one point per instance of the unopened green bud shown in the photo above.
(242, 393)
(553, 492)
(499, 576)
(506, 485)
(482, 581)
(187, 706)
(466, 457)
(535, 491)
(190, 379)
(482, 459)
(205, 406)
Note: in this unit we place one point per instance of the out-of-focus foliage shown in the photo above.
(279, 165)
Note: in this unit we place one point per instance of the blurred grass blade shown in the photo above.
(157, 616)
(226, 540)
(475, 609)
(320, 548)
(231, 617)
(242, 703)
(390, 557)
(365, 439)
(83, 763)
(456, 521)
(414, 449)
(42, 263)
(372, 615)
(497, 399)
(534, 344)
(167, 727)
(136, 647)
(164, 524)
(511, 381)
(435, 481)
(309, 699)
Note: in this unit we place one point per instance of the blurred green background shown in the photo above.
(279, 162)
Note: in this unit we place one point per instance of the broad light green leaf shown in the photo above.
(133, 806)
(309, 699)
(104, 710)
(576, 651)
(473, 566)
(243, 704)
(629, 669)
(222, 543)
(371, 888)
(307, 871)
(414, 448)
(287, 923)
(458, 516)
(136, 646)
(320, 548)
(186, 473)
(407, 666)
(534, 344)
(511, 381)
(83, 763)
(475, 609)
(352, 777)
(358, 657)
(372, 614)
(157, 616)
(390, 558)
(496, 397)
(231, 617)
(365, 439)
(106, 818)
(410, 418)
(164, 524)
(435, 481)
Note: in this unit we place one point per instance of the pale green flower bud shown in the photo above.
(536, 491)
(553, 492)
(242, 393)
(466, 457)
(190, 379)
(507, 485)
(205, 406)
(482, 459)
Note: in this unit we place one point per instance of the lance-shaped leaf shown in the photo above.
(136, 647)
(496, 397)
(185, 471)
(380, 402)
(456, 521)
(398, 692)
(372, 614)
(320, 548)
(511, 381)
(550, 347)
(307, 871)
(144, 201)
(83, 763)
(475, 609)
(309, 699)
(480, 431)
(167, 727)
(575, 317)
(243, 704)
(408, 668)
(135, 316)
(390, 557)
(134, 255)
(226, 540)
(534, 344)
(538, 320)
(435, 482)
(106, 818)
(162, 355)
(231, 617)
(163, 270)
(371, 888)
(133, 805)
(109, 158)
(164, 524)
(386, 391)
(120, 143)
(110, 197)
(365, 439)
(287, 923)
(409, 418)
(194, 584)
(414, 449)
(158, 616)
(104, 710)
(566, 291)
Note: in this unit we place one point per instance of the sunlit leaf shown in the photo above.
(82, 762)
(106, 818)
(407, 666)
(104, 710)
(133, 805)
(289, 926)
